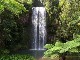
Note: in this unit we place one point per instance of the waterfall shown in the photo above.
(38, 28)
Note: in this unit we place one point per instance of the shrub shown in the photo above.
(59, 48)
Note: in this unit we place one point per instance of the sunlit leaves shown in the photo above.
(1, 8)
(48, 46)
(61, 2)
(60, 48)
(13, 6)
(70, 10)
(65, 10)
(25, 1)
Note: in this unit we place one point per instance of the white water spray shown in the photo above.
(39, 28)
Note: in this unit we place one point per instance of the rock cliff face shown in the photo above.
(38, 3)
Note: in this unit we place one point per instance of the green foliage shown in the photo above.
(59, 48)
(11, 25)
(1, 8)
(12, 5)
(4, 51)
(63, 21)
(69, 18)
(52, 19)
(16, 57)
(64, 25)
(11, 30)
(70, 11)
(61, 2)
(25, 1)
(51, 7)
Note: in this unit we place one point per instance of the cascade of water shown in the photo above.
(39, 28)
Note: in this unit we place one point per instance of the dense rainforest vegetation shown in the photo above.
(12, 13)
(63, 27)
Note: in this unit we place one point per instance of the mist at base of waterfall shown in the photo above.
(37, 49)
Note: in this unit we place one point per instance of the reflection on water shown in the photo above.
(37, 53)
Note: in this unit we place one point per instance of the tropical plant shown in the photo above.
(59, 48)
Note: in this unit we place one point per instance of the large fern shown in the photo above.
(12, 5)
(59, 48)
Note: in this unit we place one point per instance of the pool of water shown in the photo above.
(37, 54)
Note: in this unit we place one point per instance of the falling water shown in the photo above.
(38, 28)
